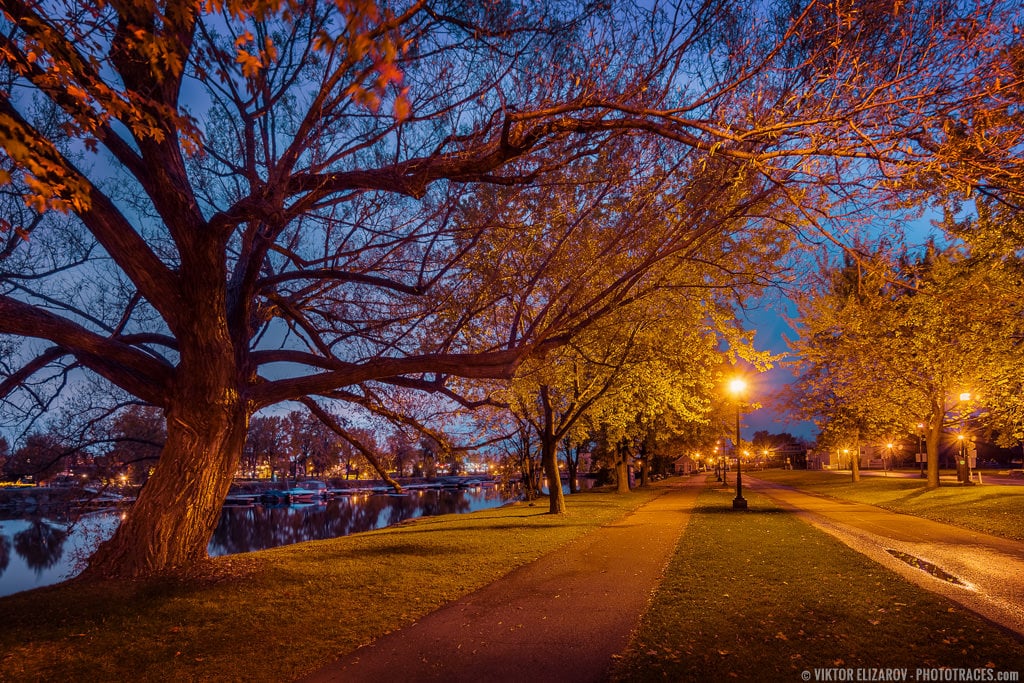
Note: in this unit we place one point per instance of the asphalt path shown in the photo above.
(990, 569)
(561, 618)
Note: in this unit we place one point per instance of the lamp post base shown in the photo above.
(739, 503)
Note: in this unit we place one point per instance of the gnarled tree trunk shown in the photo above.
(173, 519)
(197, 464)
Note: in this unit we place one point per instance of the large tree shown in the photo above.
(265, 201)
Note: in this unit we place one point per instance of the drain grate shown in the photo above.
(924, 565)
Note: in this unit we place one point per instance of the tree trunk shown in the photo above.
(526, 473)
(170, 525)
(549, 457)
(931, 440)
(855, 460)
(622, 469)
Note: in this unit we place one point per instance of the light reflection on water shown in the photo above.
(255, 528)
(39, 551)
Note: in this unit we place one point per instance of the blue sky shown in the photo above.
(770, 326)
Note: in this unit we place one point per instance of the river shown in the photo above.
(39, 550)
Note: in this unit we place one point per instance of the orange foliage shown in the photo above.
(68, 61)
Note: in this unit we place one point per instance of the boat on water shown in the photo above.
(312, 491)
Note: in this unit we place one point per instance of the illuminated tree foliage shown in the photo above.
(220, 206)
(881, 354)
(995, 239)
(615, 376)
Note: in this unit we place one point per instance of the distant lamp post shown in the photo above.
(846, 454)
(737, 387)
(884, 470)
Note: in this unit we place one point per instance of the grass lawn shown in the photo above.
(991, 508)
(762, 596)
(278, 614)
(756, 596)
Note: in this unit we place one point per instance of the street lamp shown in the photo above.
(737, 387)
(963, 468)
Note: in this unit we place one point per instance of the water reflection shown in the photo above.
(46, 551)
(5, 553)
(243, 529)
(41, 545)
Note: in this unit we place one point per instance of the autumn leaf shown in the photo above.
(250, 64)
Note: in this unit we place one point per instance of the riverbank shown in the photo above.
(277, 614)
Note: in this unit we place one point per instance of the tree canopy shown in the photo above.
(220, 206)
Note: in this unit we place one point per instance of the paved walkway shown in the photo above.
(561, 618)
(990, 568)
(565, 616)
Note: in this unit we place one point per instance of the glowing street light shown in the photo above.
(963, 469)
(737, 387)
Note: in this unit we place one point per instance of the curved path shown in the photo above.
(560, 618)
(990, 569)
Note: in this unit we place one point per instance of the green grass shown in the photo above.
(278, 614)
(991, 508)
(762, 596)
(754, 596)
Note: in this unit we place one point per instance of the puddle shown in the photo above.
(924, 565)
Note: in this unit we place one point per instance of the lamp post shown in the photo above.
(963, 466)
(736, 387)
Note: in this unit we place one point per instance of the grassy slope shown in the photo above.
(762, 596)
(992, 508)
(277, 614)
